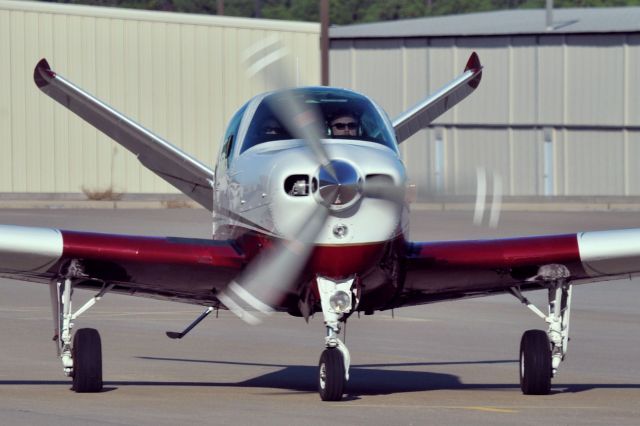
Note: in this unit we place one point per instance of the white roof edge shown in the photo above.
(158, 16)
(503, 22)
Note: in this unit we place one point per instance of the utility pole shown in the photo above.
(257, 8)
(549, 15)
(324, 42)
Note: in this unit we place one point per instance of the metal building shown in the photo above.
(181, 76)
(557, 112)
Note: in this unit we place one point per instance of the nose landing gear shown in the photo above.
(338, 299)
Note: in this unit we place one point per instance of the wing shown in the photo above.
(424, 112)
(167, 161)
(190, 270)
(456, 269)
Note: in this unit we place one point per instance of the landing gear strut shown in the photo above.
(338, 299)
(81, 360)
(542, 352)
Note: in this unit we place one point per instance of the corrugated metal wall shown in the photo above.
(179, 75)
(554, 114)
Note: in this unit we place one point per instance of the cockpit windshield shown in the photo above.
(331, 113)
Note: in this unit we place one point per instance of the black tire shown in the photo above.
(535, 363)
(331, 378)
(87, 361)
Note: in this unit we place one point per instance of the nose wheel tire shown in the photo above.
(331, 375)
(535, 363)
(87, 361)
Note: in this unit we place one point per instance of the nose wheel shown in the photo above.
(331, 375)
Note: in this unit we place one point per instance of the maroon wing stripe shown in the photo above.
(503, 253)
(84, 245)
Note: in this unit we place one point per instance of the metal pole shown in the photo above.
(324, 42)
(220, 7)
(549, 15)
(257, 8)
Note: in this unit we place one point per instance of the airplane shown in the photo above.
(310, 215)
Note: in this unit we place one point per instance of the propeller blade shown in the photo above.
(496, 201)
(274, 272)
(268, 58)
(481, 195)
(382, 187)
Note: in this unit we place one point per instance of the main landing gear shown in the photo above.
(81, 360)
(338, 299)
(542, 352)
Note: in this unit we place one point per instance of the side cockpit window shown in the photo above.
(338, 113)
(231, 136)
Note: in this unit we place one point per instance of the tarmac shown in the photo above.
(451, 363)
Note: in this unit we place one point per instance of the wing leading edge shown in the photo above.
(448, 270)
(184, 172)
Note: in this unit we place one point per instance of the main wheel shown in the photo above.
(331, 378)
(87, 361)
(535, 363)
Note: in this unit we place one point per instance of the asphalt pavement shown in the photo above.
(444, 364)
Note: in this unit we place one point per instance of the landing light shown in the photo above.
(340, 301)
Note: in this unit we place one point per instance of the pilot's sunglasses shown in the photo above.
(342, 126)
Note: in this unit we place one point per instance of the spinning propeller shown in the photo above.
(273, 273)
(481, 196)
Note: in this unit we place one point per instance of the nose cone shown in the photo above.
(339, 184)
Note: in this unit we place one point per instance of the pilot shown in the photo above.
(271, 128)
(344, 124)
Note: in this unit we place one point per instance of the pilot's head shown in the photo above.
(271, 128)
(344, 124)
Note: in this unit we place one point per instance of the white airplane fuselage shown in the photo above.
(267, 192)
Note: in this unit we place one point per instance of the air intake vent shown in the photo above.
(380, 179)
(297, 185)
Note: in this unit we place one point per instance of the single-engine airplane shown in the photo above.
(309, 215)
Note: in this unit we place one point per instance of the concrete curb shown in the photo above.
(94, 204)
(538, 207)
(515, 206)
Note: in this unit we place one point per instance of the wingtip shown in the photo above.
(473, 63)
(42, 74)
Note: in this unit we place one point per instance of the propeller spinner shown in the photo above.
(342, 188)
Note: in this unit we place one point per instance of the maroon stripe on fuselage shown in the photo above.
(126, 248)
(504, 253)
(343, 261)
(331, 261)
